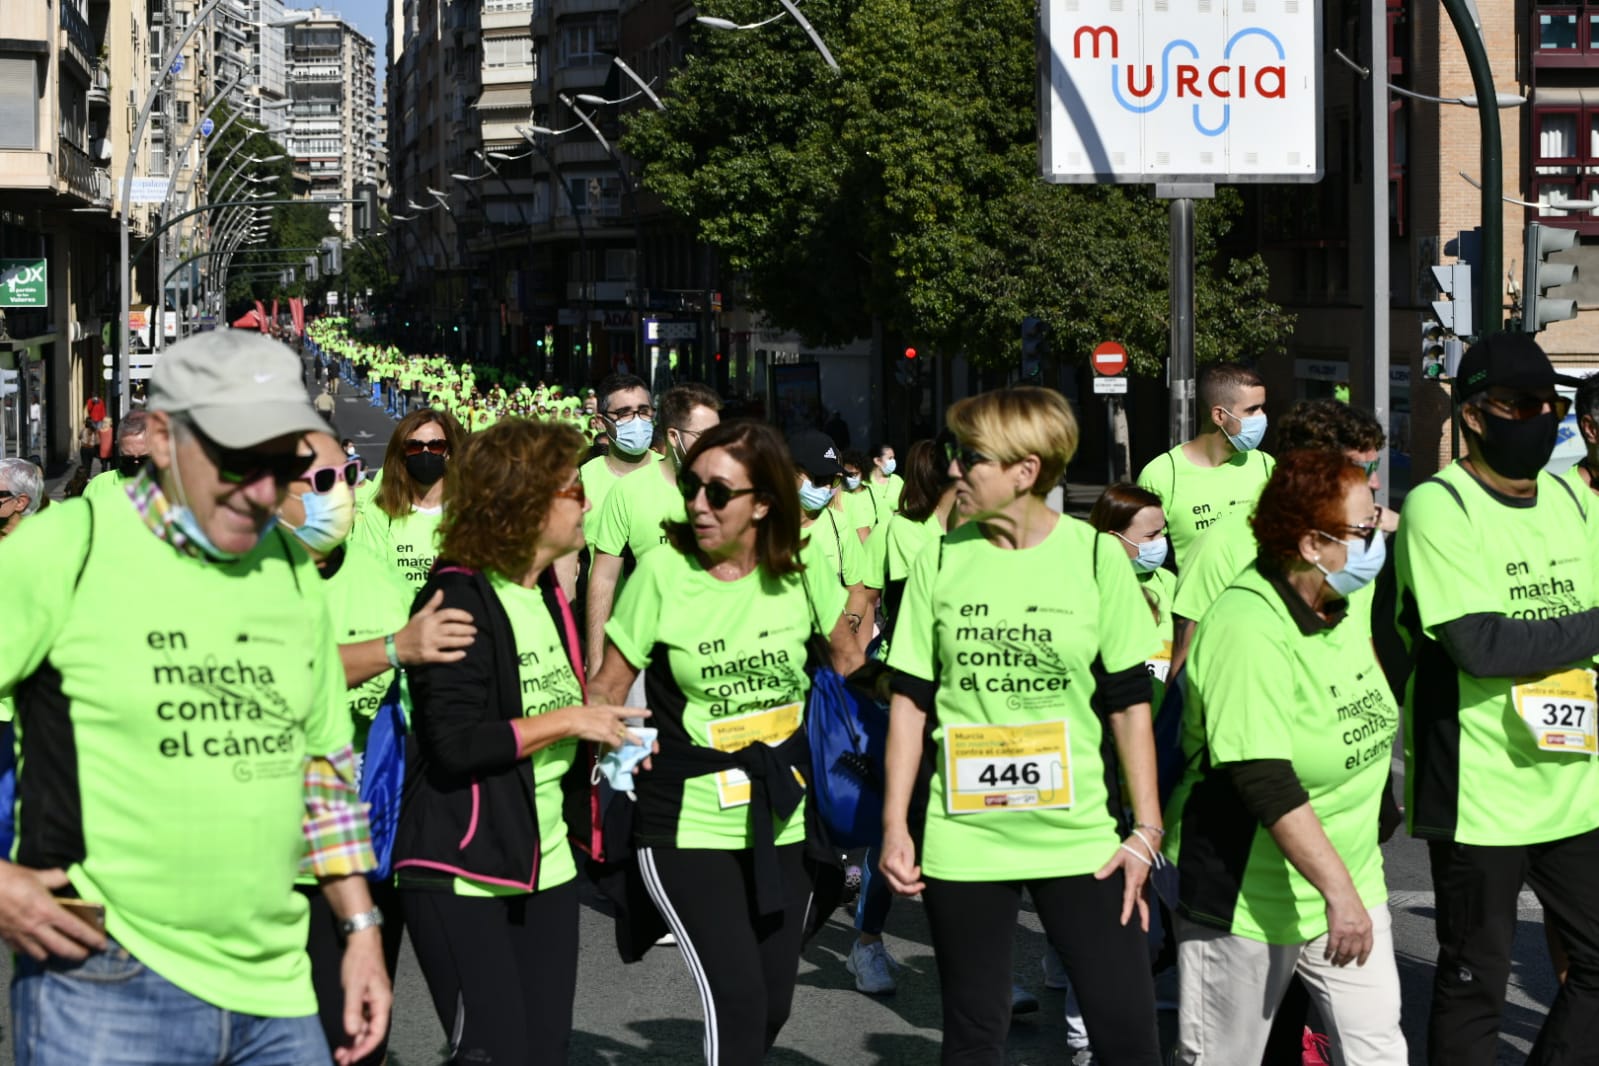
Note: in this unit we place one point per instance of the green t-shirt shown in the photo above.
(178, 700)
(1158, 587)
(548, 683)
(1474, 772)
(633, 512)
(724, 666)
(365, 603)
(874, 558)
(905, 541)
(888, 492)
(1197, 497)
(1012, 638)
(864, 509)
(107, 484)
(598, 480)
(1269, 680)
(406, 545)
(833, 559)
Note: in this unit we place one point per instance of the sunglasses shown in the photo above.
(1370, 467)
(417, 447)
(574, 491)
(1521, 408)
(4, 495)
(242, 466)
(1365, 533)
(323, 478)
(717, 493)
(963, 456)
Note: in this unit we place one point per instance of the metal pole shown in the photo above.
(1180, 367)
(1491, 300)
(1377, 192)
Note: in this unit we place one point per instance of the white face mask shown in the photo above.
(815, 497)
(888, 467)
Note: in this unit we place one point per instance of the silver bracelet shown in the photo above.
(357, 922)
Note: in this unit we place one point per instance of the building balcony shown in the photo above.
(581, 79)
(579, 147)
(76, 175)
(77, 42)
(561, 8)
(507, 14)
(100, 86)
(522, 74)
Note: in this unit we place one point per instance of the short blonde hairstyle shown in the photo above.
(1008, 425)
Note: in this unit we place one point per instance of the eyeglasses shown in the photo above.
(574, 491)
(323, 478)
(1521, 408)
(1370, 467)
(1365, 533)
(4, 495)
(963, 456)
(717, 493)
(416, 447)
(242, 466)
(627, 414)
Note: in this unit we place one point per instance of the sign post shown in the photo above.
(1110, 380)
(1138, 92)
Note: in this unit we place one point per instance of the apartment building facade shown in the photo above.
(332, 118)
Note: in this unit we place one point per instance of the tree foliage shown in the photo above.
(906, 188)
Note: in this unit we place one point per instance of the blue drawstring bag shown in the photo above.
(848, 735)
(382, 778)
(8, 788)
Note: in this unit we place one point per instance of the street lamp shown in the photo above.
(789, 9)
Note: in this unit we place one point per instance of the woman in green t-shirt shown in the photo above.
(720, 620)
(399, 521)
(481, 855)
(1288, 731)
(1134, 517)
(1025, 633)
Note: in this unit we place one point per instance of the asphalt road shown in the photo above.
(649, 1012)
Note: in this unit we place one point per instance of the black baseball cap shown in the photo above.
(1506, 360)
(814, 454)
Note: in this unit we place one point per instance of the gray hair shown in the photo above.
(24, 479)
(133, 424)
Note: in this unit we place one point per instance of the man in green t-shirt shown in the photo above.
(630, 523)
(1498, 601)
(133, 449)
(1203, 480)
(180, 764)
(1582, 474)
(630, 430)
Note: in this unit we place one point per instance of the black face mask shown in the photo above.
(130, 465)
(425, 468)
(1518, 449)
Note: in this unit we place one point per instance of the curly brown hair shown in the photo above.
(398, 491)
(1305, 494)
(499, 493)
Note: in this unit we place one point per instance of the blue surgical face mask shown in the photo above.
(633, 436)
(618, 764)
(815, 497)
(888, 467)
(1362, 566)
(1151, 554)
(329, 517)
(852, 483)
(1251, 431)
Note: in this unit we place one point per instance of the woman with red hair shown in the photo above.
(1288, 731)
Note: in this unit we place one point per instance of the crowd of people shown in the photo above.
(1171, 726)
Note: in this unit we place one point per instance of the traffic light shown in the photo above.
(1538, 310)
(8, 382)
(910, 353)
(310, 268)
(1454, 313)
(332, 255)
(1432, 348)
(366, 208)
(1035, 346)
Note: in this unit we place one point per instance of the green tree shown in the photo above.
(906, 189)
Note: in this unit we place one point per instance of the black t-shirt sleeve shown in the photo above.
(1493, 645)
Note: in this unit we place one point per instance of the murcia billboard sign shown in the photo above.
(1180, 90)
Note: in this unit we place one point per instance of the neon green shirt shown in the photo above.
(888, 492)
(864, 509)
(833, 558)
(1474, 771)
(365, 603)
(906, 540)
(1300, 692)
(1158, 587)
(1197, 497)
(406, 544)
(1011, 637)
(634, 509)
(724, 662)
(598, 480)
(107, 484)
(180, 699)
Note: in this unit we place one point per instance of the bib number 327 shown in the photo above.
(1560, 710)
(1007, 768)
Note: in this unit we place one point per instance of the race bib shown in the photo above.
(740, 731)
(1560, 710)
(1007, 767)
(1159, 664)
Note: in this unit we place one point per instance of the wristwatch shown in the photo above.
(357, 922)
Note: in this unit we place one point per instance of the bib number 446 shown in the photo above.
(1011, 773)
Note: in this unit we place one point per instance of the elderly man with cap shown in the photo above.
(1498, 601)
(181, 763)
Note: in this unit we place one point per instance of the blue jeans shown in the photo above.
(110, 1010)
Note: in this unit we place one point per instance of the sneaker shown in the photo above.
(1022, 1001)
(1055, 977)
(667, 940)
(873, 969)
(1083, 1056)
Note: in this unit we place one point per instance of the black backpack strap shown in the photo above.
(1564, 484)
(1459, 501)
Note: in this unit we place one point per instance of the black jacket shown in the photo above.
(469, 807)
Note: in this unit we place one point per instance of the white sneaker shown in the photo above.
(872, 967)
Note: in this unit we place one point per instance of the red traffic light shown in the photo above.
(910, 353)
(718, 357)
